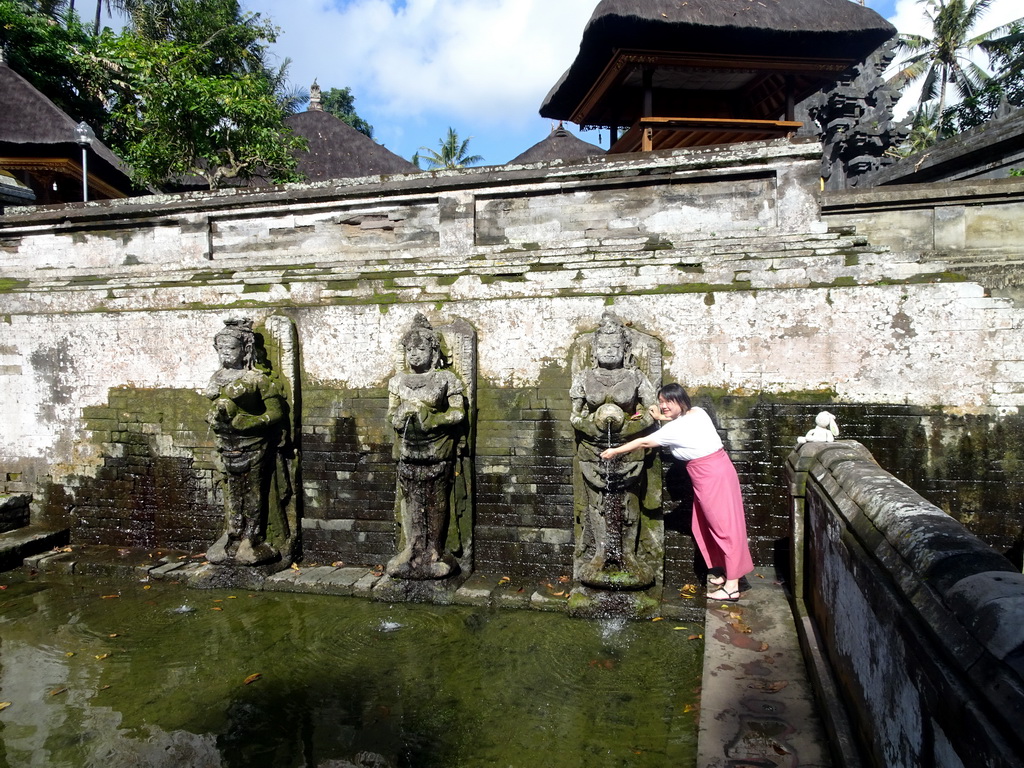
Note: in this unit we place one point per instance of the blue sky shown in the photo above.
(480, 66)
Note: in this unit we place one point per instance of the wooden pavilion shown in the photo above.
(684, 73)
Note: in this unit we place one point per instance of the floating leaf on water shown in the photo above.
(695, 637)
(4, 705)
(658, 618)
(102, 656)
(148, 586)
(55, 691)
(216, 608)
(232, 597)
(108, 597)
(69, 654)
(112, 634)
(252, 678)
(504, 580)
(104, 687)
(218, 600)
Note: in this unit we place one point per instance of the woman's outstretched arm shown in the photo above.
(632, 445)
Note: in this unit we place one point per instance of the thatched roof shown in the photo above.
(338, 151)
(812, 29)
(560, 144)
(33, 124)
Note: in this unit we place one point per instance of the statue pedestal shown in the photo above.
(436, 591)
(250, 577)
(588, 603)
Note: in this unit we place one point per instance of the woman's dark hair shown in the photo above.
(677, 395)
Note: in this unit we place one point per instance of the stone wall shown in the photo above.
(920, 621)
(109, 310)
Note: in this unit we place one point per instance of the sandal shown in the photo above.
(729, 597)
(716, 581)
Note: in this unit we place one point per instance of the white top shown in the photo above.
(691, 436)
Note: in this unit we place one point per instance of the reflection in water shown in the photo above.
(130, 676)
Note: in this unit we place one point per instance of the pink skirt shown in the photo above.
(719, 526)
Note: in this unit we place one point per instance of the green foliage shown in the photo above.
(1006, 59)
(176, 115)
(192, 94)
(55, 55)
(341, 103)
(450, 153)
(943, 62)
(183, 90)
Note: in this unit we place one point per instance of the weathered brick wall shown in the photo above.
(720, 254)
(14, 511)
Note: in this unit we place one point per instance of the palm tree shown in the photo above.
(122, 6)
(451, 153)
(943, 59)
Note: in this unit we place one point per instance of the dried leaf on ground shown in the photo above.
(775, 687)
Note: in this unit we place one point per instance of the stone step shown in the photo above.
(393, 266)
(27, 541)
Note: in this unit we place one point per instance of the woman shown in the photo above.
(719, 526)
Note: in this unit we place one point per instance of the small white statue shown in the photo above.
(825, 430)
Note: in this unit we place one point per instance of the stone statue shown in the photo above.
(610, 401)
(427, 409)
(249, 417)
(854, 121)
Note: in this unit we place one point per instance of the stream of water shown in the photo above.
(156, 675)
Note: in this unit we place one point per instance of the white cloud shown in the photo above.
(490, 61)
(483, 66)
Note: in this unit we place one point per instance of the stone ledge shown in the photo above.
(191, 570)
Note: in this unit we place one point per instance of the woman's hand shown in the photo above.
(609, 453)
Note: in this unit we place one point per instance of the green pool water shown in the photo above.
(159, 675)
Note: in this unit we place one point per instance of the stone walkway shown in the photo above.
(757, 706)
